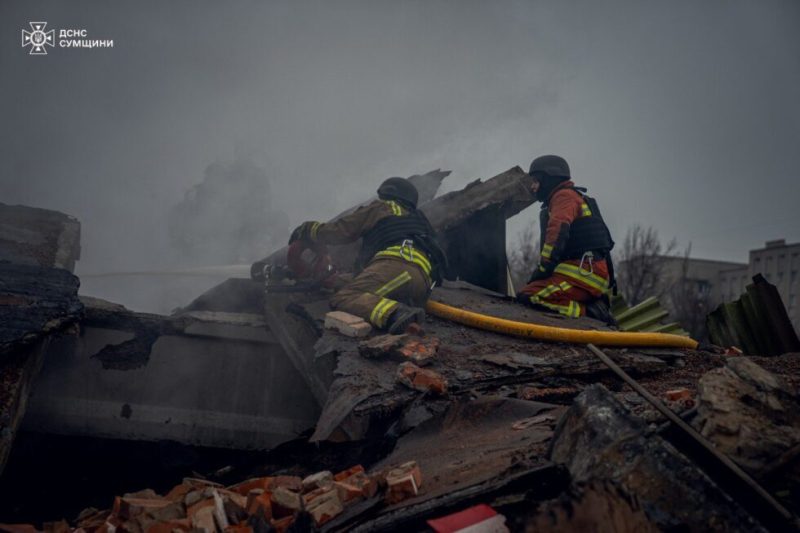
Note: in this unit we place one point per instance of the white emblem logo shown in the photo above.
(37, 38)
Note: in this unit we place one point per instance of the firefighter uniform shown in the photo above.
(398, 262)
(575, 264)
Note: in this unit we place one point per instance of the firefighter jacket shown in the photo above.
(389, 230)
(575, 240)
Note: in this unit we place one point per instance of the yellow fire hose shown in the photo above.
(554, 334)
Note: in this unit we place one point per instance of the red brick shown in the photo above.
(18, 528)
(292, 483)
(178, 492)
(403, 482)
(421, 379)
(182, 524)
(347, 324)
(239, 528)
(415, 329)
(282, 524)
(325, 506)
(197, 507)
(203, 520)
(128, 508)
(245, 487)
(319, 480)
(677, 394)
(285, 502)
(259, 499)
(419, 350)
(341, 476)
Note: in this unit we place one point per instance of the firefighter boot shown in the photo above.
(600, 310)
(404, 316)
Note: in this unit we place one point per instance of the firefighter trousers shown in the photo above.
(376, 291)
(569, 289)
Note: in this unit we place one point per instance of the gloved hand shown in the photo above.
(302, 232)
(543, 271)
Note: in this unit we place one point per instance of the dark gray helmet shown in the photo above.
(552, 165)
(399, 189)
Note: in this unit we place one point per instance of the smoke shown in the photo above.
(673, 114)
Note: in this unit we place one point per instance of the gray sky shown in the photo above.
(683, 115)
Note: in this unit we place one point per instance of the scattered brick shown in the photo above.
(421, 379)
(325, 506)
(285, 502)
(181, 524)
(238, 528)
(246, 486)
(195, 508)
(259, 499)
(403, 482)
(677, 394)
(347, 324)
(479, 518)
(18, 528)
(293, 483)
(282, 525)
(203, 520)
(341, 476)
(319, 480)
(178, 492)
(415, 329)
(381, 346)
(420, 350)
(127, 507)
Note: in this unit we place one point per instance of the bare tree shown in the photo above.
(524, 256)
(640, 266)
(690, 300)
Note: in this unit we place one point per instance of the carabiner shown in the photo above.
(590, 255)
(407, 244)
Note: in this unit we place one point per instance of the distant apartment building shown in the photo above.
(725, 281)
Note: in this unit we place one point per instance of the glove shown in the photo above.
(543, 271)
(302, 232)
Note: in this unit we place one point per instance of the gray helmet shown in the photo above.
(552, 165)
(399, 189)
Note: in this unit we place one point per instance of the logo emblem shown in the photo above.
(37, 38)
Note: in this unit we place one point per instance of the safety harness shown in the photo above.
(587, 239)
(406, 235)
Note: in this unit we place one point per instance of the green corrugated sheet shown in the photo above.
(648, 316)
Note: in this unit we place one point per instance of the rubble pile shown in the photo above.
(272, 503)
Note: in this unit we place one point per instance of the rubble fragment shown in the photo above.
(381, 345)
(421, 379)
(403, 482)
(598, 438)
(594, 506)
(285, 502)
(325, 506)
(748, 413)
(347, 324)
(320, 480)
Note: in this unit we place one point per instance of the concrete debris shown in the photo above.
(419, 350)
(347, 324)
(751, 415)
(598, 439)
(597, 506)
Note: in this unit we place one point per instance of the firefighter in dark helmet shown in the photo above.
(399, 262)
(575, 270)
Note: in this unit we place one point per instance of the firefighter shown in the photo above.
(399, 262)
(575, 269)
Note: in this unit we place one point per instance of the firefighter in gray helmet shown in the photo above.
(575, 269)
(399, 262)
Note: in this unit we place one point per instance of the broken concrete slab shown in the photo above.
(39, 237)
(749, 414)
(150, 377)
(598, 438)
(36, 303)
